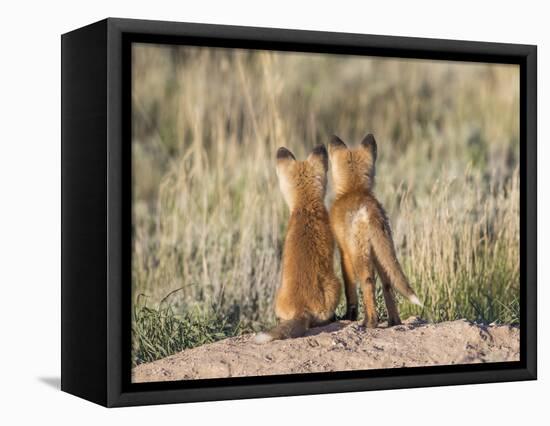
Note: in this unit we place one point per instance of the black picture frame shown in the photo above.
(96, 211)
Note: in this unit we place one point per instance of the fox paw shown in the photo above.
(370, 323)
(393, 322)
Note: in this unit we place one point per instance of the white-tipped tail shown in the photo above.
(262, 338)
(414, 299)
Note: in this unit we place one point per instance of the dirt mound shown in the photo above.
(341, 346)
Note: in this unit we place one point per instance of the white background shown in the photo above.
(30, 211)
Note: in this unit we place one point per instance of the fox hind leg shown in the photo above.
(368, 286)
(350, 286)
(389, 298)
(393, 313)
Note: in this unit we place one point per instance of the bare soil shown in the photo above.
(341, 346)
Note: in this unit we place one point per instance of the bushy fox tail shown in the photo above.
(386, 259)
(286, 329)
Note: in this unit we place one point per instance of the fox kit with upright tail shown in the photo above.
(309, 290)
(363, 232)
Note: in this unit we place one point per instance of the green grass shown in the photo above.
(208, 217)
(159, 332)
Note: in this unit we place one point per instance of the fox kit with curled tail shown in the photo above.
(309, 291)
(363, 232)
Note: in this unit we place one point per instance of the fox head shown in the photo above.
(302, 182)
(352, 169)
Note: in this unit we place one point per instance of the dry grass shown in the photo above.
(208, 218)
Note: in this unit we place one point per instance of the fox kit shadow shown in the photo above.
(363, 232)
(309, 290)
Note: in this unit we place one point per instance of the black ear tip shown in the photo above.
(335, 141)
(320, 150)
(369, 140)
(283, 153)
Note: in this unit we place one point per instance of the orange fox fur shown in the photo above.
(363, 232)
(309, 290)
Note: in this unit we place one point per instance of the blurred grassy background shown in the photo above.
(208, 217)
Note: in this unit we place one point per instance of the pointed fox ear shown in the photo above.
(369, 143)
(319, 158)
(284, 154)
(336, 143)
(284, 157)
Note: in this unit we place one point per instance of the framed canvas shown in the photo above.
(223, 236)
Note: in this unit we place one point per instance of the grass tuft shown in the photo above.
(160, 332)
